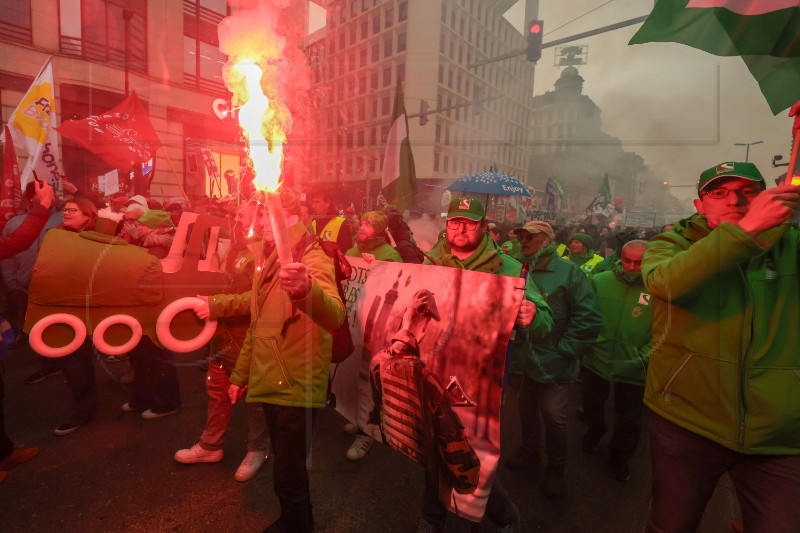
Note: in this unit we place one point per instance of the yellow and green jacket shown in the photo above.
(285, 358)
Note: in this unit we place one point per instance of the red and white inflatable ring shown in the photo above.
(98, 336)
(165, 319)
(38, 345)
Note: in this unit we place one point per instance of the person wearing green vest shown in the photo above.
(468, 245)
(550, 365)
(618, 358)
(370, 244)
(371, 239)
(581, 252)
(723, 382)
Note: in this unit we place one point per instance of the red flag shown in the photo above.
(122, 137)
(10, 193)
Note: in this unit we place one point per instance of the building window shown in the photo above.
(387, 76)
(403, 11)
(401, 42)
(376, 50)
(387, 47)
(373, 80)
(15, 21)
(401, 71)
(376, 24)
(389, 17)
(385, 108)
(95, 29)
(364, 29)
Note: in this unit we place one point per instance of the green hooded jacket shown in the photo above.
(378, 247)
(622, 348)
(488, 258)
(576, 320)
(725, 362)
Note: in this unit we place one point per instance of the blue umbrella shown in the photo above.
(493, 183)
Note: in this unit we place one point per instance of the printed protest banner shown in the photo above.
(457, 359)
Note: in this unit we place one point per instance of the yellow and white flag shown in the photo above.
(32, 126)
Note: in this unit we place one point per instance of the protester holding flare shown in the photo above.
(285, 358)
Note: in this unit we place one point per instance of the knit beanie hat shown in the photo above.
(156, 218)
(377, 220)
(585, 238)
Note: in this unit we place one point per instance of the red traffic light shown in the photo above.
(536, 28)
(665, 183)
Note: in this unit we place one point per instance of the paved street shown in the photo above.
(117, 474)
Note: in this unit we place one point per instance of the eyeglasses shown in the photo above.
(455, 223)
(720, 193)
(71, 210)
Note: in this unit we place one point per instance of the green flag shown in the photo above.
(763, 33)
(602, 204)
(399, 180)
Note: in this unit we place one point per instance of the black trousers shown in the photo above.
(290, 430)
(628, 409)
(6, 446)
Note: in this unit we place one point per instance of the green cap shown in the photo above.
(730, 169)
(466, 207)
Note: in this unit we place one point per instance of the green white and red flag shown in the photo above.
(766, 34)
(399, 177)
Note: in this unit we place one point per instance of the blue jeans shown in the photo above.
(552, 400)
(686, 468)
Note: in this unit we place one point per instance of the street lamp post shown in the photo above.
(747, 149)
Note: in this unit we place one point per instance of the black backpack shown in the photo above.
(343, 345)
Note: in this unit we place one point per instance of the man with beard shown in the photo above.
(468, 245)
(550, 365)
(371, 240)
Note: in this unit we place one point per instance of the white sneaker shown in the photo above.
(250, 465)
(196, 454)
(360, 447)
(350, 428)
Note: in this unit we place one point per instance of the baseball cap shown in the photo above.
(537, 226)
(138, 199)
(466, 207)
(730, 169)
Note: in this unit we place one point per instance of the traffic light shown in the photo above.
(665, 183)
(535, 32)
(423, 112)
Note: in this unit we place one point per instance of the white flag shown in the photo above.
(32, 126)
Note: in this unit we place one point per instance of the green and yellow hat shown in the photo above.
(466, 207)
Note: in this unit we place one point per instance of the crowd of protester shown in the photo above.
(587, 317)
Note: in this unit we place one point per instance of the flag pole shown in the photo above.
(180, 185)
